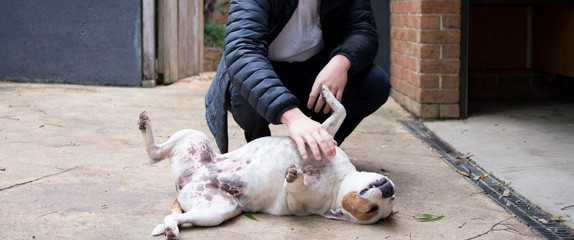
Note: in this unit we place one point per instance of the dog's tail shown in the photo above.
(338, 112)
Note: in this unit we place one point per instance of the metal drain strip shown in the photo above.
(529, 214)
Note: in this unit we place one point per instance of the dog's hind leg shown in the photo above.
(203, 212)
(338, 112)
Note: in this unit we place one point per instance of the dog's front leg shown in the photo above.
(333, 123)
(294, 180)
(294, 185)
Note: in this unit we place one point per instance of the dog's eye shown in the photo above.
(373, 209)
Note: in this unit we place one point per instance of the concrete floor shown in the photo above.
(73, 166)
(528, 144)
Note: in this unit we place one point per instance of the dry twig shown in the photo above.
(493, 228)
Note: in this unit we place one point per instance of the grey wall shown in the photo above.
(71, 41)
(381, 9)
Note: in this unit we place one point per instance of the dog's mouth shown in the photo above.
(384, 185)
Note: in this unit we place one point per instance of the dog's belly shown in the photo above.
(261, 166)
(264, 163)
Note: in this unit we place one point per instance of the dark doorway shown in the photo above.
(517, 49)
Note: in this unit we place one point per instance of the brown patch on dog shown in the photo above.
(360, 208)
(175, 207)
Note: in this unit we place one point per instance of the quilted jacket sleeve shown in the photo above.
(359, 40)
(248, 67)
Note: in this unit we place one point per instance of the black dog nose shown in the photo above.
(387, 189)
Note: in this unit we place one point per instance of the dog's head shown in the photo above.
(365, 198)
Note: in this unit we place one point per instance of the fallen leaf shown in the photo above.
(481, 176)
(503, 184)
(428, 217)
(557, 218)
(464, 174)
(465, 156)
(506, 193)
(542, 220)
(457, 162)
(250, 216)
(81, 224)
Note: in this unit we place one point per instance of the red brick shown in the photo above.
(450, 51)
(450, 81)
(425, 81)
(397, 58)
(410, 63)
(438, 96)
(428, 111)
(403, 7)
(398, 72)
(451, 22)
(397, 20)
(449, 111)
(410, 48)
(438, 66)
(403, 34)
(398, 46)
(428, 51)
(403, 87)
(428, 22)
(434, 36)
(439, 6)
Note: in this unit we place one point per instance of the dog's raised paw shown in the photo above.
(143, 119)
(292, 173)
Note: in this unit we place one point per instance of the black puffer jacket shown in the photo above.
(348, 28)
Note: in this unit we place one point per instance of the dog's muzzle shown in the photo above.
(384, 185)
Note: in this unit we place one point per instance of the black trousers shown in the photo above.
(364, 93)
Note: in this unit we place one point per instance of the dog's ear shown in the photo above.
(337, 215)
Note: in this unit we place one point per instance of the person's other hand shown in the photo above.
(305, 131)
(334, 76)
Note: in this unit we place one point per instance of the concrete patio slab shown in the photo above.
(527, 144)
(73, 166)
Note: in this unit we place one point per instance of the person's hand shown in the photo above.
(334, 76)
(305, 131)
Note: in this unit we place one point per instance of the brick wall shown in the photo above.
(425, 51)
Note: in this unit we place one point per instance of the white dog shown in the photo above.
(266, 175)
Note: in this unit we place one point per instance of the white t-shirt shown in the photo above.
(301, 38)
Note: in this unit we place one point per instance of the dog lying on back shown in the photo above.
(266, 175)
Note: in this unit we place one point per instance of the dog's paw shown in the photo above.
(292, 173)
(143, 120)
(171, 229)
(172, 232)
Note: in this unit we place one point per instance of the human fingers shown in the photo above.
(327, 145)
(312, 143)
(301, 147)
(313, 95)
